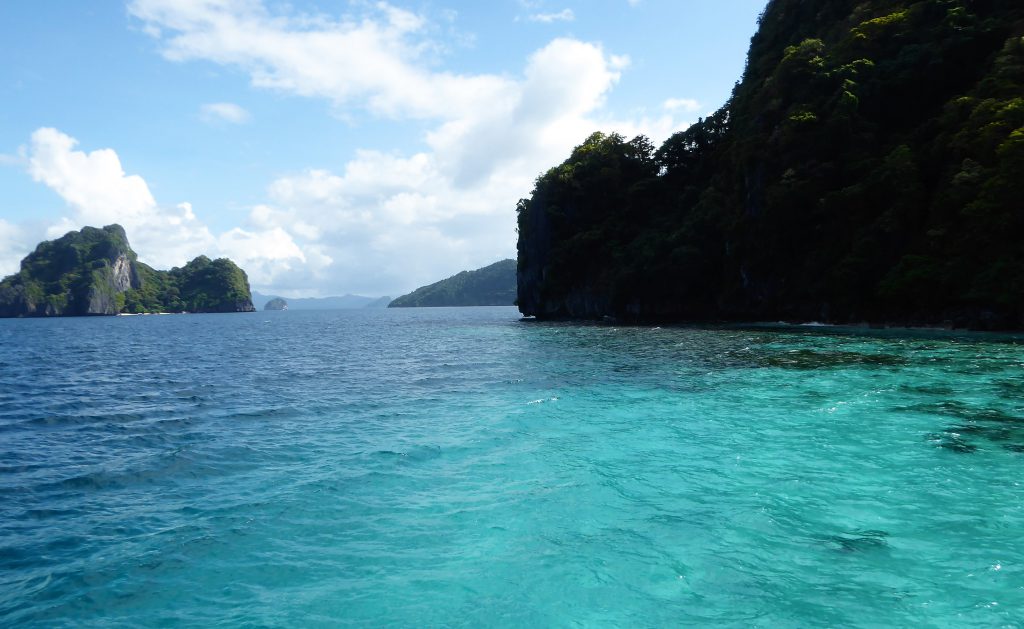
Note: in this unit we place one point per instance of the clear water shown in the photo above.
(458, 467)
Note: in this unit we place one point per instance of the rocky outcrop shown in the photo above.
(277, 303)
(866, 168)
(82, 273)
(95, 272)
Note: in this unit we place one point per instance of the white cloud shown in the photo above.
(13, 247)
(374, 60)
(212, 113)
(687, 105)
(386, 222)
(98, 192)
(89, 182)
(263, 254)
(565, 15)
(11, 160)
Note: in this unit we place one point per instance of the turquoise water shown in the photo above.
(458, 467)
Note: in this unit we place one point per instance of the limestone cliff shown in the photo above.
(95, 272)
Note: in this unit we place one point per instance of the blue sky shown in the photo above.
(332, 147)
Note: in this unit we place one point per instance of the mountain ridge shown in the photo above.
(492, 285)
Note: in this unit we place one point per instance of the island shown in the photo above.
(492, 285)
(95, 272)
(867, 168)
(277, 303)
(337, 302)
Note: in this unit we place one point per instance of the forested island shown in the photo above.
(867, 167)
(492, 285)
(95, 272)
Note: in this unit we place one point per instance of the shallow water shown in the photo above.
(458, 467)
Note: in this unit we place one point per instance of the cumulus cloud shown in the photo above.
(565, 15)
(375, 60)
(97, 191)
(13, 247)
(213, 113)
(379, 221)
(687, 105)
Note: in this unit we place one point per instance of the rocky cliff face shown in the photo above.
(81, 273)
(95, 272)
(109, 283)
(866, 168)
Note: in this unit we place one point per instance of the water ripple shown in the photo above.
(457, 467)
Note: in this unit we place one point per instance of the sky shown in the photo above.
(338, 146)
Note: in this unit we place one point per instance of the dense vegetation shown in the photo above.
(202, 285)
(493, 285)
(867, 167)
(71, 275)
(277, 303)
(95, 271)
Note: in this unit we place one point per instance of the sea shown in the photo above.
(460, 467)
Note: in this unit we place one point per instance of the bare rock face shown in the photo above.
(109, 282)
(124, 274)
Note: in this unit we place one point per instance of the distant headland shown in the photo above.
(492, 285)
(95, 272)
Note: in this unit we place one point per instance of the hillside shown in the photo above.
(493, 285)
(866, 168)
(340, 302)
(95, 272)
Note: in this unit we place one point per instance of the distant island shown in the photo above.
(867, 168)
(342, 302)
(95, 272)
(277, 303)
(493, 285)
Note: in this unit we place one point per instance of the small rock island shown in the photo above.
(95, 272)
(277, 303)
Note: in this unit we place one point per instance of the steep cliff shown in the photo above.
(95, 272)
(81, 273)
(867, 167)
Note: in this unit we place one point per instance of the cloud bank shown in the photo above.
(374, 222)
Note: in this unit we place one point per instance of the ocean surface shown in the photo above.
(462, 468)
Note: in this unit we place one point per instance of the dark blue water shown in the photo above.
(458, 467)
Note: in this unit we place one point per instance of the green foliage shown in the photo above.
(94, 271)
(492, 285)
(868, 166)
